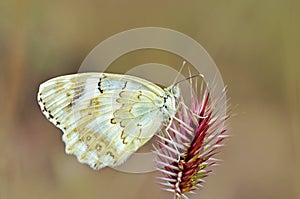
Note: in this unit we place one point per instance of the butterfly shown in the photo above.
(106, 117)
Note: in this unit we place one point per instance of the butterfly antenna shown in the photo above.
(179, 72)
(197, 75)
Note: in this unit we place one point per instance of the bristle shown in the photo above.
(166, 172)
(167, 179)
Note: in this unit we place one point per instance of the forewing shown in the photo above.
(103, 119)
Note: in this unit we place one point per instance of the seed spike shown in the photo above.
(198, 132)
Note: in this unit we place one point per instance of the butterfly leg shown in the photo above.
(167, 131)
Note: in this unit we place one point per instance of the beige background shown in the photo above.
(254, 43)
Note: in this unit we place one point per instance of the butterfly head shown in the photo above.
(175, 91)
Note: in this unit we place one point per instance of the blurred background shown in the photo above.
(254, 43)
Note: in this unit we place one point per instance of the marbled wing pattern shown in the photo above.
(104, 117)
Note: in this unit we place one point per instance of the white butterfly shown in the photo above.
(106, 117)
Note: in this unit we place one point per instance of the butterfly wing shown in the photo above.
(104, 117)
